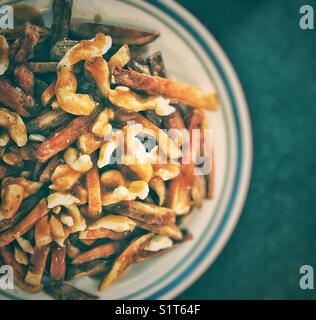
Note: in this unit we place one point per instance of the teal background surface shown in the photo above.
(276, 63)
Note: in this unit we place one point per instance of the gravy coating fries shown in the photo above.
(100, 153)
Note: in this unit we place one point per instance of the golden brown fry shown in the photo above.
(126, 258)
(48, 94)
(19, 272)
(36, 268)
(57, 228)
(103, 233)
(120, 34)
(147, 213)
(166, 171)
(12, 196)
(120, 58)
(169, 230)
(4, 55)
(158, 185)
(47, 173)
(42, 234)
(48, 121)
(87, 269)
(198, 192)
(58, 263)
(13, 98)
(94, 191)
(25, 225)
(63, 138)
(171, 89)
(71, 250)
(102, 251)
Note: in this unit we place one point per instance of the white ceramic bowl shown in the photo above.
(191, 54)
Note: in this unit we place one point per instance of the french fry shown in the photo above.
(62, 10)
(42, 232)
(71, 250)
(147, 213)
(36, 268)
(172, 89)
(50, 120)
(47, 173)
(158, 185)
(179, 193)
(62, 291)
(94, 191)
(58, 263)
(19, 272)
(63, 138)
(198, 192)
(120, 58)
(103, 233)
(126, 258)
(102, 251)
(120, 34)
(169, 230)
(27, 205)
(156, 65)
(87, 269)
(25, 225)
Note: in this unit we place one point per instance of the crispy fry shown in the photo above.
(169, 230)
(94, 191)
(87, 269)
(57, 228)
(124, 260)
(42, 234)
(171, 89)
(147, 213)
(198, 192)
(58, 263)
(158, 185)
(62, 291)
(62, 10)
(4, 55)
(36, 268)
(63, 138)
(102, 251)
(121, 35)
(19, 272)
(120, 58)
(64, 178)
(12, 196)
(156, 65)
(25, 225)
(103, 233)
(26, 207)
(48, 121)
